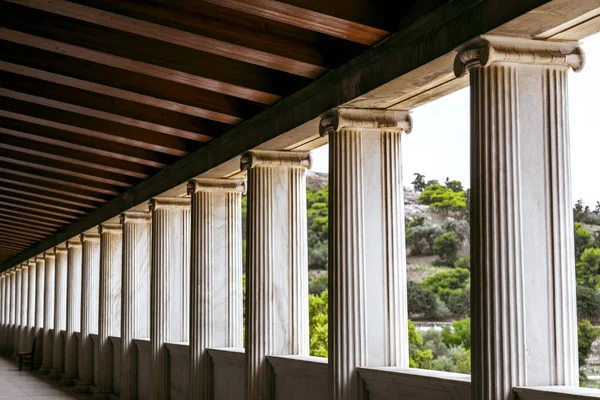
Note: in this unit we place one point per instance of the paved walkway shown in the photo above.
(18, 385)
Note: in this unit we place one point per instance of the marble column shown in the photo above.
(170, 285)
(523, 306)
(24, 333)
(60, 311)
(18, 304)
(48, 333)
(3, 309)
(216, 292)
(90, 274)
(135, 296)
(40, 276)
(277, 272)
(11, 312)
(74, 260)
(367, 257)
(31, 332)
(109, 317)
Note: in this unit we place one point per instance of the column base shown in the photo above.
(44, 370)
(103, 396)
(82, 387)
(54, 375)
(67, 381)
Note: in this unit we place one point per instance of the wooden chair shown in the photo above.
(27, 357)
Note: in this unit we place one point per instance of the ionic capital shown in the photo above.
(488, 49)
(31, 262)
(168, 202)
(90, 237)
(215, 185)
(135, 216)
(74, 242)
(40, 258)
(264, 158)
(366, 118)
(110, 228)
(49, 253)
(61, 248)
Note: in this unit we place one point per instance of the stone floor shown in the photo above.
(17, 385)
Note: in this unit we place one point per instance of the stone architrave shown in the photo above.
(109, 316)
(135, 296)
(74, 261)
(60, 311)
(24, 334)
(523, 306)
(48, 333)
(90, 274)
(216, 292)
(367, 257)
(277, 272)
(170, 285)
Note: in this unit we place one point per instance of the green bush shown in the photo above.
(588, 304)
(420, 238)
(421, 301)
(460, 227)
(588, 269)
(586, 335)
(460, 303)
(447, 282)
(432, 340)
(447, 246)
(318, 324)
(463, 262)
(419, 357)
(442, 199)
(583, 240)
(460, 335)
(319, 285)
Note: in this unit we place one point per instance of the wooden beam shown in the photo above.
(55, 178)
(22, 222)
(32, 213)
(25, 228)
(82, 143)
(25, 200)
(17, 204)
(178, 37)
(144, 68)
(62, 155)
(307, 19)
(18, 240)
(67, 170)
(24, 217)
(10, 231)
(20, 189)
(29, 183)
(17, 248)
(154, 118)
(238, 28)
(100, 128)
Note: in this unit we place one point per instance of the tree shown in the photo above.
(442, 199)
(447, 246)
(421, 301)
(318, 285)
(460, 335)
(318, 323)
(454, 185)
(420, 238)
(419, 182)
(583, 240)
(445, 283)
(586, 335)
(579, 211)
(588, 269)
(588, 304)
(418, 357)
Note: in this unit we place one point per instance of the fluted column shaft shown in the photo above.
(135, 296)
(11, 311)
(90, 274)
(367, 269)
(109, 317)
(523, 308)
(32, 304)
(74, 261)
(277, 273)
(24, 334)
(48, 336)
(18, 305)
(169, 303)
(60, 311)
(216, 292)
(3, 311)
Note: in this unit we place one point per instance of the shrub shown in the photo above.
(583, 240)
(588, 304)
(318, 285)
(460, 303)
(318, 323)
(463, 262)
(586, 335)
(460, 227)
(447, 246)
(421, 301)
(460, 335)
(445, 283)
(442, 199)
(588, 269)
(419, 357)
(419, 239)
(433, 341)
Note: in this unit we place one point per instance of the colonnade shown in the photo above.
(174, 273)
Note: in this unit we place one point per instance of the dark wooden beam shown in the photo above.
(21, 222)
(38, 193)
(16, 248)
(30, 130)
(96, 127)
(27, 201)
(11, 231)
(432, 37)
(308, 19)
(24, 217)
(238, 28)
(56, 178)
(181, 38)
(42, 151)
(35, 232)
(32, 183)
(36, 209)
(111, 108)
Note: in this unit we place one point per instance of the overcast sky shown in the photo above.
(438, 146)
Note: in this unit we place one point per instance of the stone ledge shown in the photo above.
(228, 355)
(180, 349)
(556, 393)
(294, 364)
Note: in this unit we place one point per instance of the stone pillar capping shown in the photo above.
(277, 271)
(135, 296)
(73, 322)
(216, 268)
(60, 311)
(367, 264)
(47, 334)
(170, 285)
(521, 214)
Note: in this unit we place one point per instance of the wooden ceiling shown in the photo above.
(98, 95)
